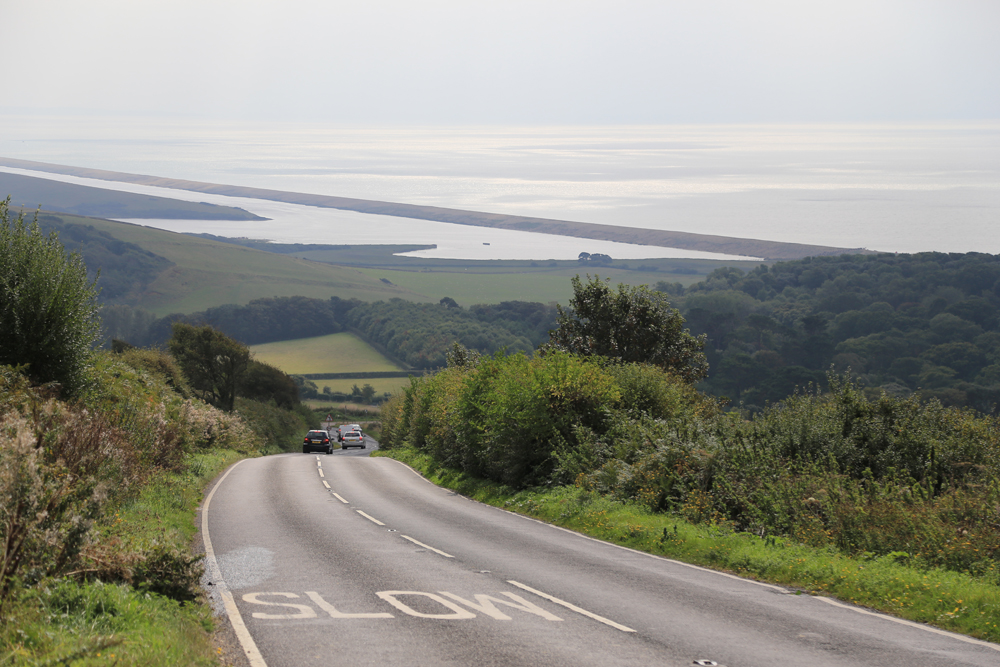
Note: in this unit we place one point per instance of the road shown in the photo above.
(350, 560)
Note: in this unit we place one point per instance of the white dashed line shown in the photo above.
(370, 518)
(338, 497)
(325, 484)
(321, 473)
(421, 544)
(572, 607)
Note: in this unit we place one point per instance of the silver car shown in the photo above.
(352, 439)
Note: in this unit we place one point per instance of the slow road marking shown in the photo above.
(446, 606)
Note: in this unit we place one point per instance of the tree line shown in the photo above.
(924, 324)
(418, 334)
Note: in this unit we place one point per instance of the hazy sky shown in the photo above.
(508, 61)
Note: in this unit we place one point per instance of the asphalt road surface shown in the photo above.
(350, 560)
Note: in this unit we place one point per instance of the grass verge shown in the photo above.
(949, 600)
(81, 622)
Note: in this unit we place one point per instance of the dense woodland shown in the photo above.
(421, 334)
(924, 324)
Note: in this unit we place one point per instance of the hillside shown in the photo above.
(205, 273)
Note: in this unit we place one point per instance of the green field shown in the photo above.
(335, 353)
(470, 286)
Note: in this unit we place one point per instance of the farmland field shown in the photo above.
(470, 287)
(334, 353)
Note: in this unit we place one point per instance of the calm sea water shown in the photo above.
(903, 188)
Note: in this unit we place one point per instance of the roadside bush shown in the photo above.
(272, 425)
(524, 421)
(57, 468)
(883, 476)
(47, 305)
(159, 364)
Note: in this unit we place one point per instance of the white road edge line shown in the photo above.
(912, 624)
(338, 497)
(421, 544)
(370, 518)
(325, 484)
(242, 634)
(780, 589)
(572, 607)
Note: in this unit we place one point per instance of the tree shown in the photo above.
(263, 382)
(48, 307)
(213, 362)
(634, 324)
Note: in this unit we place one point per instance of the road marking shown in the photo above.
(305, 611)
(370, 518)
(330, 609)
(437, 551)
(338, 497)
(484, 605)
(232, 611)
(901, 621)
(321, 473)
(572, 607)
(319, 464)
(325, 484)
(457, 612)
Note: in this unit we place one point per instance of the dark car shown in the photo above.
(318, 440)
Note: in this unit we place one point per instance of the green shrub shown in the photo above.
(160, 364)
(47, 306)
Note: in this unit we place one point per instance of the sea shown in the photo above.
(888, 187)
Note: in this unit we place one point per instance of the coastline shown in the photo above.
(747, 247)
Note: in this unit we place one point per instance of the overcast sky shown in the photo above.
(508, 61)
